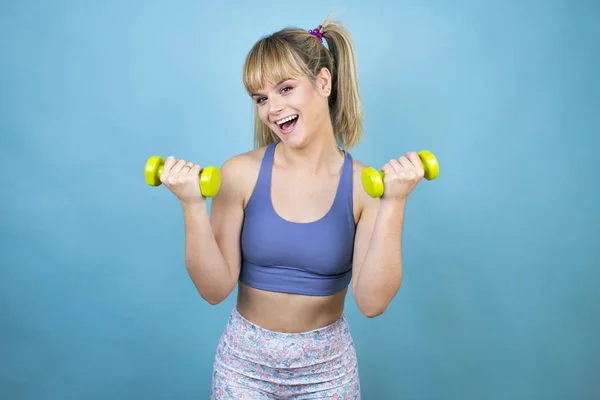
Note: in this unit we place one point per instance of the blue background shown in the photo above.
(501, 253)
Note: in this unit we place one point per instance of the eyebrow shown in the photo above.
(275, 85)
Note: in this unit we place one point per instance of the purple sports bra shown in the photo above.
(312, 258)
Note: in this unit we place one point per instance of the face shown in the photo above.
(296, 109)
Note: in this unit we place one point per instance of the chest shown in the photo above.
(301, 198)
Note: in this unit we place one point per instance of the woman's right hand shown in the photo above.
(183, 180)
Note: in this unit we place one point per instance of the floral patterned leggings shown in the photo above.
(253, 363)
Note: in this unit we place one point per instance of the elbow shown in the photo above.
(213, 300)
(372, 306)
(373, 311)
(375, 303)
(215, 297)
(212, 292)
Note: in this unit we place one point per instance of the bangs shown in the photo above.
(270, 61)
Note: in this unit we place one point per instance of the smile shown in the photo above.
(286, 119)
(287, 124)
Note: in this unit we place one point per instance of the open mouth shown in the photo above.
(287, 124)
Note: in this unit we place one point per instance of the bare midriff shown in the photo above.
(289, 313)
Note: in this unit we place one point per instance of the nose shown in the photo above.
(275, 107)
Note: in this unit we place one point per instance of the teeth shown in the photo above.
(286, 119)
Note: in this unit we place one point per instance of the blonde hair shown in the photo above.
(293, 52)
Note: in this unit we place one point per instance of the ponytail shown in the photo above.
(345, 104)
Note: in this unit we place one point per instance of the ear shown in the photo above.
(323, 82)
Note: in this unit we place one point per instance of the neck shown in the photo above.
(320, 153)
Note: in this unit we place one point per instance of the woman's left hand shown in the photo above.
(402, 176)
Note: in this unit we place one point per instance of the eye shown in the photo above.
(260, 100)
(286, 89)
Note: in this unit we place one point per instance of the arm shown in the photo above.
(212, 244)
(377, 269)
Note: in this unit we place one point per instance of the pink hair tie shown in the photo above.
(317, 32)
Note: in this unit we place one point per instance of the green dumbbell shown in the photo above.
(372, 179)
(210, 177)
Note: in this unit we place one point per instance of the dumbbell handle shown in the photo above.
(210, 177)
(372, 179)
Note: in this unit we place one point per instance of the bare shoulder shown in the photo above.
(240, 172)
(361, 199)
(242, 163)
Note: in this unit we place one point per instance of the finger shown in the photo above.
(408, 167)
(408, 170)
(406, 164)
(187, 168)
(393, 170)
(178, 167)
(393, 167)
(169, 162)
(416, 161)
(172, 178)
(195, 171)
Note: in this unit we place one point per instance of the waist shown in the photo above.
(289, 313)
(326, 342)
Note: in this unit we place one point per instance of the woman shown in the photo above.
(292, 225)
